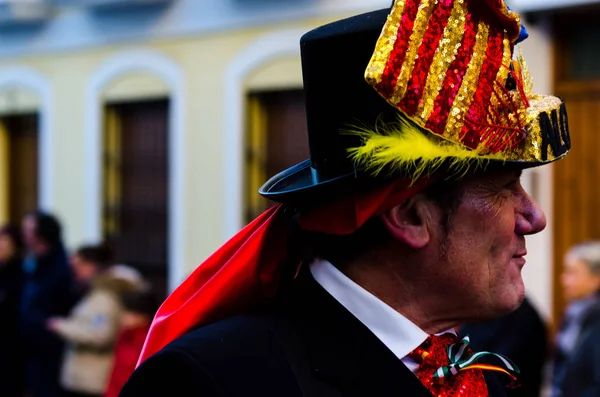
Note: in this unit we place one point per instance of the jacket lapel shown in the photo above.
(495, 387)
(343, 352)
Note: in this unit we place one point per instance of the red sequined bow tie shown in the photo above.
(433, 356)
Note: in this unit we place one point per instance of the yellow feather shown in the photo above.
(404, 146)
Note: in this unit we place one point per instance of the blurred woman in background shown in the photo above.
(11, 282)
(92, 327)
(581, 288)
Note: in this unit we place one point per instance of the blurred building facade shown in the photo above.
(152, 123)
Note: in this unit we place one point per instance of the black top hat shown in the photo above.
(334, 59)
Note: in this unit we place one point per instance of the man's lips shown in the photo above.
(519, 258)
(520, 254)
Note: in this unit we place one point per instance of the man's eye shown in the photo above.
(512, 184)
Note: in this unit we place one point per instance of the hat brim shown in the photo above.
(297, 184)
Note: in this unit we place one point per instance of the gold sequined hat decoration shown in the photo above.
(448, 67)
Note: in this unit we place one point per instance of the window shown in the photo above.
(136, 186)
(276, 140)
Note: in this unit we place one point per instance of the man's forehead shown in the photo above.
(496, 176)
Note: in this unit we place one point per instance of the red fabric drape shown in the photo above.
(245, 270)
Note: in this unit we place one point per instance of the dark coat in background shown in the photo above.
(306, 345)
(589, 319)
(521, 336)
(582, 374)
(48, 291)
(11, 364)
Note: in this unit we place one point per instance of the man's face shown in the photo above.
(578, 280)
(483, 251)
(83, 270)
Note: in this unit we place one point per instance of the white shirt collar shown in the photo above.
(395, 331)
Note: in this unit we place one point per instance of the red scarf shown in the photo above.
(245, 271)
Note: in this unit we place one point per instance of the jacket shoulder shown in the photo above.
(171, 373)
(252, 335)
(238, 356)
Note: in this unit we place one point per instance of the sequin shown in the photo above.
(463, 100)
(497, 104)
(431, 355)
(405, 17)
(381, 56)
(454, 77)
(445, 56)
(432, 43)
(477, 115)
(426, 9)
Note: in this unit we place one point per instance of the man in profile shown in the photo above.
(408, 220)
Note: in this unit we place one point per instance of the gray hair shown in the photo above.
(588, 252)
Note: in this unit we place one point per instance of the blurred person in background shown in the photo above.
(521, 335)
(47, 292)
(11, 280)
(127, 272)
(581, 288)
(139, 309)
(91, 328)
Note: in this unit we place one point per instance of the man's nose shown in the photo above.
(530, 218)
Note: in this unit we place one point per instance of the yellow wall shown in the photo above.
(203, 62)
(135, 86)
(18, 100)
(4, 175)
(281, 73)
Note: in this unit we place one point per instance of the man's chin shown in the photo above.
(515, 294)
(514, 302)
(508, 302)
(520, 302)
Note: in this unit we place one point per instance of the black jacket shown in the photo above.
(589, 320)
(582, 373)
(11, 281)
(11, 364)
(306, 345)
(47, 292)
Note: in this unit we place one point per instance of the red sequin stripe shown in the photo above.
(387, 86)
(431, 39)
(454, 78)
(477, 114)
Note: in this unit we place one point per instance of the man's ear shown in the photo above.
(409, 221)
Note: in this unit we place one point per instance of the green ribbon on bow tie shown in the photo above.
(461, 361)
